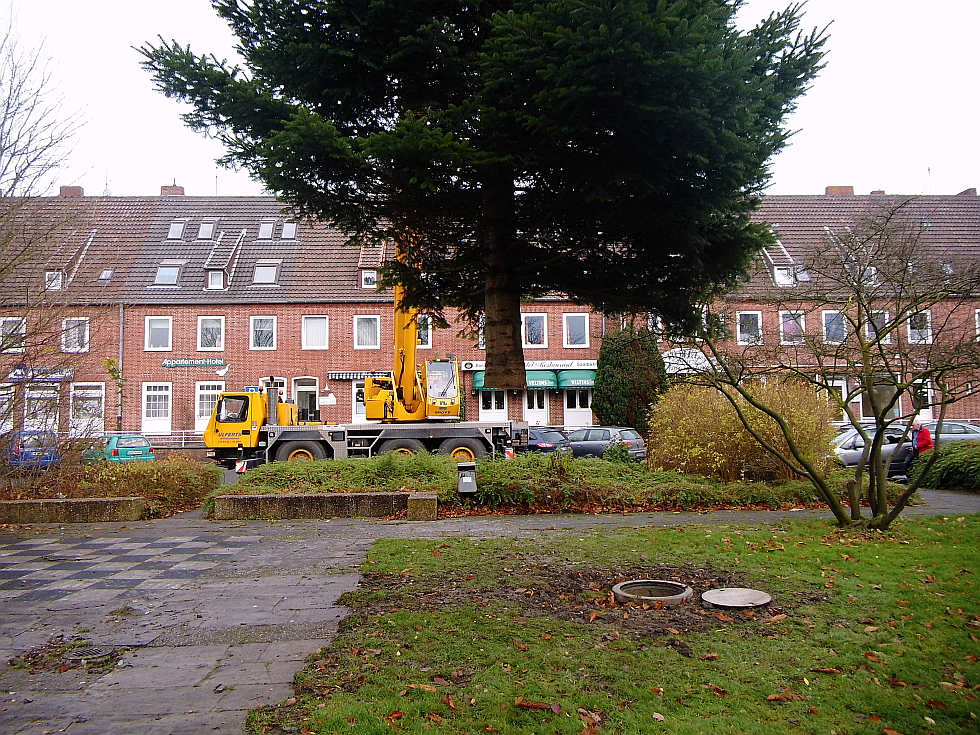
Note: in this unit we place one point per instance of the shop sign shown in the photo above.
(179, 362)
(538, 365)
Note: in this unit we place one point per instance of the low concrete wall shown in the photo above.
(85, 510)
(331, 505)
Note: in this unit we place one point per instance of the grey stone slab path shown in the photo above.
(216, 618)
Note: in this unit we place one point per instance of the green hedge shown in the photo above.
(957, 467)
(528, 481)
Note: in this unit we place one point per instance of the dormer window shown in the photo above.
(216, 280)
(265, 229)
(206, 231)
(266, 273)
(288, 230)
(167, 275)
(53, 280)
(783, 276)
(176, 229)
(369, 279)
(106, 274)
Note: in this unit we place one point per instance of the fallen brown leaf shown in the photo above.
(708, 656)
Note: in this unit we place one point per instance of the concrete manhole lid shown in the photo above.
(652, 591)
(736, 597)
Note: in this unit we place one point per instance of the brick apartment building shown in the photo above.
(136, 312)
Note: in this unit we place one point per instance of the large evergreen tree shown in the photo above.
(609, 150)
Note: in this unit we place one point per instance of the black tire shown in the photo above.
(300, 452)
(402, 446)
(463, 449)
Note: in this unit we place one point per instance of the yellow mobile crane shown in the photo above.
(414, 409)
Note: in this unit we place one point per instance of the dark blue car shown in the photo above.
(32, 449)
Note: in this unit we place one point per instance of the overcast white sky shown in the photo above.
(895, 109)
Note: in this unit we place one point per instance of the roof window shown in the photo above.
(53, 280)
(266, 273)
(265, 229)
(167, 275)
(783, 276)
(206, 231)
(369, 279)
(176, 229)
(216, 280)
(106, 274)
(288, 230)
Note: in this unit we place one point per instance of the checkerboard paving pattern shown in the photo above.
(58, 569)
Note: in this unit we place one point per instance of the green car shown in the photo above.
(120, 448)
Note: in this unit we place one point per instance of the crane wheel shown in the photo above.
(463, 450)
(405, 447)
(300, 452)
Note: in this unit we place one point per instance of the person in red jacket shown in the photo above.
(921, 438)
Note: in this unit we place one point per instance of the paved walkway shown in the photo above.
(217, 617)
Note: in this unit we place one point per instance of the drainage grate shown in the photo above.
(736, 597)
(88, 656)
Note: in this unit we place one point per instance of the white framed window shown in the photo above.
(922, 397)
(578, 407)
(834, 327)
(369, 278)
(210, 333)
(158, 333)
(176, 229)
(54, 280)
(288, 230)
(782, 275)
(534, 330)
(265, 229)
(481, 332)
(424, 332)
(575, 330)
(655, 324)
(316, 332)
(367, 332)
(7, 396)
(748, 327)
(877, 326)
(157, 408)
(920, 328)
(262, 332)
(41, 408)
(87, 416)
(167, 275)
(75, 334)
(266, 273)
(792, 325)
(838, 386)
(216, 280)
(206, 230)
(205, 399)
(13, 333)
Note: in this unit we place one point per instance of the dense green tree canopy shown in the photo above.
(609, 150)
(630, 379)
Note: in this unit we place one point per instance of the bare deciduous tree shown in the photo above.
(881, 320)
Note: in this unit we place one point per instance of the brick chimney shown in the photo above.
(846, 191)
(971, 192)
(172, 191)
(71, 192)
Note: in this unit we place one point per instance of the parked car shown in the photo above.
(849, 445)
(594, 440)
(547, 440)
(32, 449)
(120, 448)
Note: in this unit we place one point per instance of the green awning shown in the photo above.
(576, 378)
(541, 379)
(536, 379)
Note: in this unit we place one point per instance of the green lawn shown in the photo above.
(865, 635)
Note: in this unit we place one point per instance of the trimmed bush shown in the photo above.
(957, 467)
(694, 429)
(169, 485)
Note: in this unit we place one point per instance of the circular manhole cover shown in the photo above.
(736, 597)
(652, 591)
(89, 655)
